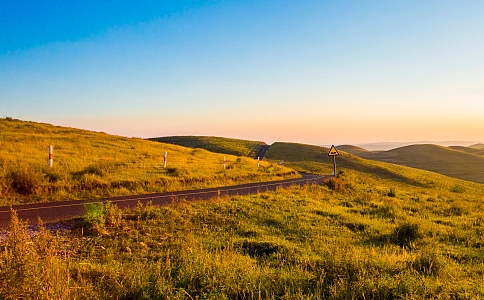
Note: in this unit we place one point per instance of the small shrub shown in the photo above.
(101, 216)
(177, 172)
(92, 182)
(24, 180)
(458, 189)
(97, 169)
(259, 249)
(95, 214)
(405, 234)
(454, 210)
(52, 176)
(384, 211)
(112, 215)
(335, 184)
(392, 193)
(428, 263)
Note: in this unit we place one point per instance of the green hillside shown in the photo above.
(376, 231)
(477, 146)
(411, 234)
(236, 147)
(351, 149)
(315, 159)
(469, 150)
(92, 164)
(443, 160)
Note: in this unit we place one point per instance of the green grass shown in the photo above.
(236, 147)
(470, 150)
(350, 240)
(454, 162)
(477, 146)
(92, 165)
(376, 231)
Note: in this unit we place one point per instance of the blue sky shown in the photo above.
(317, 72)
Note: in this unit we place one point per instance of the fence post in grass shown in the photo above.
(224, 162)
(51, 156)
(164, 159)
(258, 162)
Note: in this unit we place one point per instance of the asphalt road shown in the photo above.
(57, 211)
(261, 152)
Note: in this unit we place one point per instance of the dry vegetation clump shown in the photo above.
(33, 268)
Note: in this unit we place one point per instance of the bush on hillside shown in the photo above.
(24, 180)
(335, 184)
(405, 234)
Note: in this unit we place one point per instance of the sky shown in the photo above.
(316, 72)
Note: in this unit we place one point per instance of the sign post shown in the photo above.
(51, 156)
(333, 152)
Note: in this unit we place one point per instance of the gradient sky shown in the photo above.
(316, 72)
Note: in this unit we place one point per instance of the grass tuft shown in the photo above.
(405, 235)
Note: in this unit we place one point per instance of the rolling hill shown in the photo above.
(469, 150)
(223, 145)
(93, 164)
(467, 164)
(477, 146)
(355, 150)
(459, 162)
(377, 231)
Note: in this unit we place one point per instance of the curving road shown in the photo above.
(57, 211)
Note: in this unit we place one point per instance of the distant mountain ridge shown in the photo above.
(385, 146)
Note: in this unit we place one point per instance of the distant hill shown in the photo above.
(214, 144)
(444, 160)
(470, 150)
(456, 161)
(477, 146)
(351, 149)
(308, 158)
(385, 146)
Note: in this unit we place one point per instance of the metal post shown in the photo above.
(51, 156)
(334, 165)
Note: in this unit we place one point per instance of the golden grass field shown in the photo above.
(92, 165)
(376, 231)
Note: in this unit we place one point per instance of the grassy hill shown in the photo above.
(92, 164)
(477, 146)
(411, 234)
(469, 150)
(377, 231)
(236, 147)
(352, 149)
(455, 162)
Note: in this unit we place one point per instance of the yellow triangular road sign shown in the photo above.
(333, 151)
